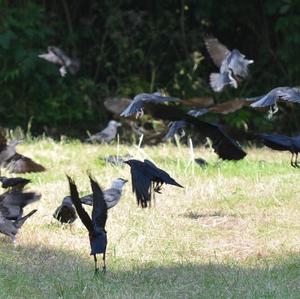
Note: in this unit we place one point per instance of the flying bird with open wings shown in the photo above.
(13, 161)
(288, 94)
(137, 104)
(17, 183)
(146, 179)
(58, 56)
(95, 224)
(65, 212)
(233, 65)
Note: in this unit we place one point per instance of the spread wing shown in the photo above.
(83, 215)
(139, 100)
(276, 142)
(217, 51)
(175, 127)
(99, 214)
(22, 164)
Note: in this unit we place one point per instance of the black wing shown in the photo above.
(22, 164)
(83, 215)
(99, 214)
(12, 182)
(276, 142)
(156, 173)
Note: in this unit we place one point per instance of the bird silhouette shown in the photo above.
(111, 196)
(13, 202)
(106, 135)
(233, 65)
(137, 104)
(58, 56)
(95, 224)
(11, 227)
(13, 161)
(282, 143)
(17, 183)
(146, 179)
(66, 212)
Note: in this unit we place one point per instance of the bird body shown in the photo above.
(106, 135)
(58, 56)
(282, 143)
(66, 212)
(95, 224)
(137, 104)
(11, 227)
(233, 65)
(13, 161)
(111, 196)
(148, 178)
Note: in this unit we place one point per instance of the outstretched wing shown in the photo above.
(290, 94)
(276, 142)
(138, 102)
(83, 215)
(99, 214)
(216, 50)
(175, 127)
(22, 164)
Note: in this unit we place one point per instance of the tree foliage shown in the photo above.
(131, 46)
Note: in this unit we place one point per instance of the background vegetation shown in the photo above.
(130, 46)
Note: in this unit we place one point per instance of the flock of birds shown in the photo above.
(147, 179)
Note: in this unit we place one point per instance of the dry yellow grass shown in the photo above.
(232, 232)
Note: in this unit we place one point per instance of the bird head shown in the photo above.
(119, 183)
(67, 201)
(114, 123)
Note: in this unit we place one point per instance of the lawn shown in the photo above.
(232, 232)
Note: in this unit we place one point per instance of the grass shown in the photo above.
(232, 232)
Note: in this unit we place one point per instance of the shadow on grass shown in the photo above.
(39, 272)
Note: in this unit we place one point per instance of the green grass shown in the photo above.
(232, 232)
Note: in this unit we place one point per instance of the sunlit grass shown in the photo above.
(232, 232)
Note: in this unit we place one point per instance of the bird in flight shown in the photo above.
(233, 65)
(95, 224)
(66, 212)
(289, 94)
(146, 179)
(137, 104)
(58, 56)
(17, 183)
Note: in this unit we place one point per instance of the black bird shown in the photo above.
(66, 212)
(146, 178)
(290, 94)
(17, 183)
(13, 202)
(11, 227)
(223, 145)
(282, 143)
(96, 224)
(13, 161)
(233, 65)
(137, 104)
(58, 56)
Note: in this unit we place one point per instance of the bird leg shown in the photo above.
(104, 264)
(292, 162)
(96, 268)
(296, 161)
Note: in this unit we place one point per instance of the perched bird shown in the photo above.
(57, 56)
(223, 145)
(146, 179)
(137, 104)
(13, 161)
(233, 65)
(282, 143)
(66, 212)
(111, 196)
(96, 224)
(13, 202)
(11, 227)
(106, 135)
(290, 94)
(17, 183)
